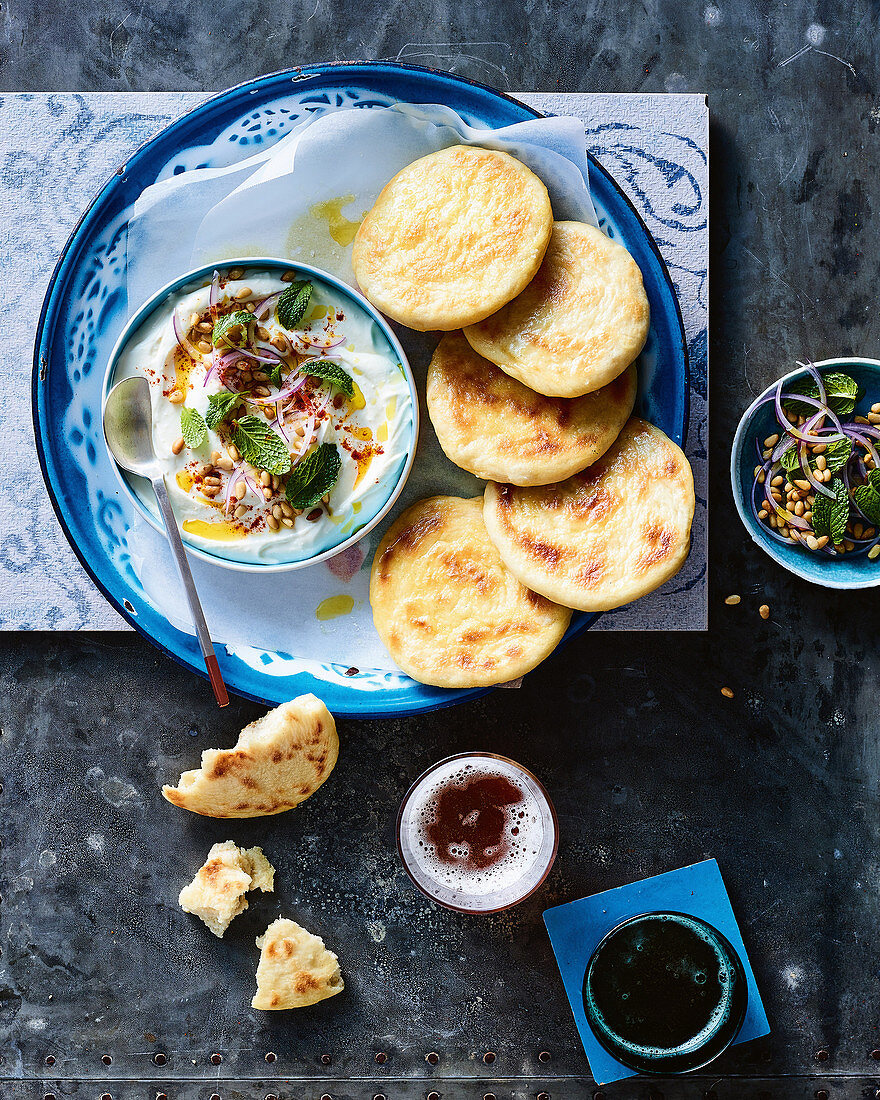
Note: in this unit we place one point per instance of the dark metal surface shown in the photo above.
(649, 765)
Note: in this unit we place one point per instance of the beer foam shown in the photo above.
(529, 838)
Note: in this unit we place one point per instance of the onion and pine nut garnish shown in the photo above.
(817, 481)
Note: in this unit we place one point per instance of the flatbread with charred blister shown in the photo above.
(500, 430)
(605, 536)
(445, 606)
(452, 237)
(580, 322)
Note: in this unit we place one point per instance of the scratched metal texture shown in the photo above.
(649, 765)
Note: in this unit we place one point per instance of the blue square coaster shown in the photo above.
(576, 928)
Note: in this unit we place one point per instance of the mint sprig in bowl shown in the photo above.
(285, 415)
(805, 472)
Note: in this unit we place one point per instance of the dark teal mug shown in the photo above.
(665, 993)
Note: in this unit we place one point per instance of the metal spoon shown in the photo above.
(128, 429)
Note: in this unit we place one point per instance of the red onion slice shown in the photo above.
(792, 429)
(191, 350)
(261, 307)
(313, 340)
(214, 296)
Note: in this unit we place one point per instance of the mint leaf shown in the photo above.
(837, 455)
(275, 375)
(292, 305)
(330, 372)
(313, 477)
(841, 390)
(260, 446)
(822, 515)
(192, 427)
(874, 480)
(868, 503)
(220, 405)
(239, 318)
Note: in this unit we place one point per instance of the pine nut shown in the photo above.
(812, 542)
(761, 478)
(277, 511)
(212, 481)
(250, 307)
(210, 490)
(278, 342)
(177, 446)
(820, 448)
(764, 611)
(768, 452)
(244, 292)
(260, 376)
(874, 552)
(848, 545)
(732, 601)
(821, 462)
(287, 522)
(194, 319)
(778, 480)
(225, 464)
(315, 513)
(262, 333)
(857, 530)
(240, 511)
(727, 693)
(203, 346)
(176, 397)
(240, 490)
(777, 496)
(876, 408)
(215, 456)
(799, 508)
(808, 515)
(874, 417)
(273, 523)
(262, 391)
(267, 494)
(276, 483)
(756, 471)
(236, 272)
(288, 276)
(861, 420)
(762, 514)
(771, 440)
(805, 485)
(205, 326)
(868, 533)
(246, 377)
(234, 452)
(822, 542)
(265, 478)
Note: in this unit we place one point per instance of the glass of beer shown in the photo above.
(665, 993)
(477, 833)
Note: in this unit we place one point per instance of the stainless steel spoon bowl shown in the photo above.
(128, 429)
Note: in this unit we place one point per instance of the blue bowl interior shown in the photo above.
(850, 571)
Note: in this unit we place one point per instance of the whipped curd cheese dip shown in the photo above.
(283, 416)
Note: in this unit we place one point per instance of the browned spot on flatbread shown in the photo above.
(246, 781)
(659, 543)
(595, 505)
(460, 567)
(590, 574)
(409, 539)
(305, 982)
(213, 868)
(227, 762)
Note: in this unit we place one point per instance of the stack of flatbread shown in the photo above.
(532, 388)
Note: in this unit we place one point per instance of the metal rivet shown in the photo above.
(821, 1094)
(106, 1059)
(379, 1096)
(325, 1059)
(161, 1096)
(215, 1096)
(544, 1056)
(216, 1059)
(432, 1096)
(50, 1060)
(271, 1096)
(106, 1096)
(489, 1057)
(488, 1096)
(432, 1058)
(159, 1058)
(822, 1055)
(875, 1054)
(380, 1058)
(271, 1056)
(326, 1096)
(543, 1096)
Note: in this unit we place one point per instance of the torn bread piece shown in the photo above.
(217, 894)
(295, 968)
(277, 762)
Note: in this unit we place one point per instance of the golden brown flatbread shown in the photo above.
(217, 894)
(452, 237)
(295, 968)
(277, 762)
(500, 430)
(605, 536)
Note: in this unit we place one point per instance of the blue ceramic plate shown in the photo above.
(758, 422)
(85, 310)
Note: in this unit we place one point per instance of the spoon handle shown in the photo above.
(192, 596)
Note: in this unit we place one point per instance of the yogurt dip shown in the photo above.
(349, 423)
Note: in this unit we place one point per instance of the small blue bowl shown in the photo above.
(850, 571)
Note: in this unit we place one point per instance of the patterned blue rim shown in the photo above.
(419, 85)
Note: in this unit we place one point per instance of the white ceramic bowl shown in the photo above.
(356, 302)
